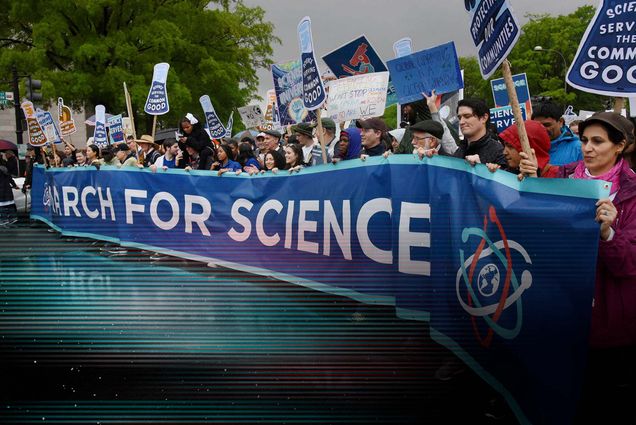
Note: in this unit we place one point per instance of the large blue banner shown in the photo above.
(605, 62)
(502, 269)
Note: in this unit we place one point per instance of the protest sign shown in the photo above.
(313, 90)
(439, 240)
(36, 134)
(288, 85)
(251, 115)
(605, 62)
(65, 118)
(216, 128)
(115, 129)
(157, 101)
(358, 57)
(503, 117)
(403, 47)
(100, 138)
(569, 115)
(500, 92)
(494, 31)
(48, 126)
(436, 69)
(357, 97)
(230, 124)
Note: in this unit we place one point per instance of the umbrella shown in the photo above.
(166, 133)
(6, 145)
(91, 120)
(246, 133)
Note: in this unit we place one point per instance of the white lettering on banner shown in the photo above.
(305, 226)
(199, 219)
(174, 206)
(410, 239)
(68, 202)
(106, 203)
(241, 220)
(367, 211)
(89, 190)
(342, 234)
(265, 239)
(130, 207)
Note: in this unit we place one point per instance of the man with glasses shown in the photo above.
(479, 145)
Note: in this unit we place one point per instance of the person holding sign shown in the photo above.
(604, 138)
(566, 147)
(479, 145)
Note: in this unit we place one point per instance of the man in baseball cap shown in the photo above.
(372, 131)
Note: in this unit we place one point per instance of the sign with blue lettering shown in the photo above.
(494, 31)
(313, 89)
(436, 69)
(215, 127)
(605, 62)
(157, 101)
(230, 124)
(288, 84)
(100, 138)
(438, 239)
(359, 57)
(48, 126)
(500, 93)
(504, 118)
(115, 129)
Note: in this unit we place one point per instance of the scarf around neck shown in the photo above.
(612, 176)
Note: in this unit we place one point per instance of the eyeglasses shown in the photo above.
(424, 138)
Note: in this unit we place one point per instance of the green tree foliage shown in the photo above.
(83, 50)
(546, 69)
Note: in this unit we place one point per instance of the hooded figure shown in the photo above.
(354, 149)
(539, 141)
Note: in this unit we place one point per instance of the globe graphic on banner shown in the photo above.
(488, 280)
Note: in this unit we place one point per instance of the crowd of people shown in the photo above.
(602, 147)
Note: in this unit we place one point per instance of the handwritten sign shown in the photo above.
(358, 97)
(436, 69)
(157, 101)
(251, 115)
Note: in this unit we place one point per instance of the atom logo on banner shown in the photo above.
(477, 290)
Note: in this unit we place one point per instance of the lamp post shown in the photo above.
(565, 65)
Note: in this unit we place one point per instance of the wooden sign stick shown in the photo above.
(321, 136)
(516, 109)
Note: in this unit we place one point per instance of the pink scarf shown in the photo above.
(612, 176)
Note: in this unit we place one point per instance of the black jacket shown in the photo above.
(488, 148)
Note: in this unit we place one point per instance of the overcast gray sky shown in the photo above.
(427, 22)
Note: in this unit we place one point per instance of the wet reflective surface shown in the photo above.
(93, 335)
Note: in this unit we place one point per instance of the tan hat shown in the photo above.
(147, 139)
